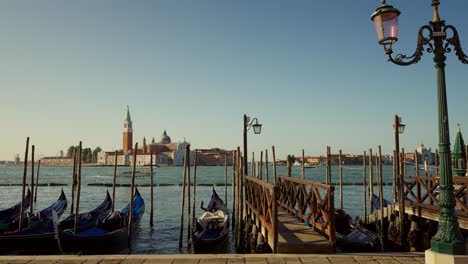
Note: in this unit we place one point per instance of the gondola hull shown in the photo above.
(111, 242)
(39, 236)
(29, 243)
(102, 238)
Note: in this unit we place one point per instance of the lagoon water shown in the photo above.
(163, 237)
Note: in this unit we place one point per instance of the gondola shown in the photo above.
(353, 237)
(10, 215)
(38, 235)
(88, 219)
(376, 202)
(109, 235)
(212, 227)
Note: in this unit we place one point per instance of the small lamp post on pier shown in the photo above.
(438, 38)
(257, 128)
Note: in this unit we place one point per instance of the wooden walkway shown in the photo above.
(294, 237)
(288, 214)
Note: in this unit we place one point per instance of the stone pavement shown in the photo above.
(375, 258)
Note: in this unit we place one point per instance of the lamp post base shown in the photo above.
(431, 257)
(447, 248)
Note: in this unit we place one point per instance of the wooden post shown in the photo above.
(114, 180)
(189, 209)
(241, 201)
(371, 182)
(275, 218)
(73, 184)
(403, 161)
(32, 181)
(37, 180)
(132, 193)
(416, 162)
(329, 179)
(266, 165)
(225, 179)
(402, 199)
(364, 185)
(152, 188)
(182, 202)
(195, 184)
(341, 180)
(302, 167)
(436, 162)
(253, 165)
(288, 166)
(395, 175)
(260, 170)
(233, 187)
(23, 190)
(274, 164)
(78, 190)
(381, 196)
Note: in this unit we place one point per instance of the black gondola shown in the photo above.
(38, 236)
(10, 215)
(110, 235)
(353, 237)
(212, 227)
(88, 219)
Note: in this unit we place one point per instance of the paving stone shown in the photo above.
(91, 261)
(256, 260)
(110, 261)
(70, 261)
(317, 259)
(186, 261)
(213, 261)
(388, 261)
(20, 261)
(349, 259)
(158, 261)
(363, 258)
(293, 261)
(236, 261)
(133, 261)
(368, 262)
(276, 260)
(43, 261)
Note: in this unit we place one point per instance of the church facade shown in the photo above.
(164, 152)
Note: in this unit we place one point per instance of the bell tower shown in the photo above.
(127, 133)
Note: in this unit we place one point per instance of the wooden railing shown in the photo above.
(261, 207)
(311, 202)
(422, 192)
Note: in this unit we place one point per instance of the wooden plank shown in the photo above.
(432, 214)
(295, 237)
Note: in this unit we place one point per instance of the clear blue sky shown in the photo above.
(310, 71)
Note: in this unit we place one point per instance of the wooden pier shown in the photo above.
(293, 216)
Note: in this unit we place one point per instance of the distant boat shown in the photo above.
(310, 166)
(146, 172)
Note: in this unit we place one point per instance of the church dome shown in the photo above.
(165, 139)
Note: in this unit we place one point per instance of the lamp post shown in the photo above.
(399, 128)
(439, 39)
(257, 130)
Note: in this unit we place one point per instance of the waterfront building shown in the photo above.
(214, 157)
(425, 154)
(165, 152)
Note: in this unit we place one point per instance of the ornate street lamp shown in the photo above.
(257, 128)
(439, 39)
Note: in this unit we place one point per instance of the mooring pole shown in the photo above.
(23, 190)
